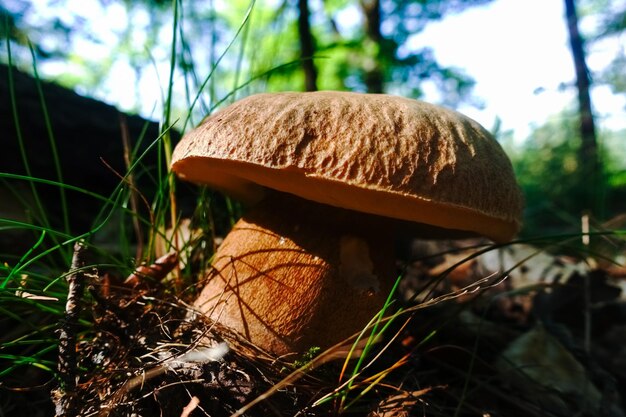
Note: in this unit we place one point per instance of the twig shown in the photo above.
(157, 271)
(76, 278)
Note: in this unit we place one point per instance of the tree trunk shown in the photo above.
(589, 158)
(307, 46)
(374, 73)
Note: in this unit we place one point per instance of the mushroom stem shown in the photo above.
(294, 274)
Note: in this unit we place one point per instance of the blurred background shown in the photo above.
(545, 76)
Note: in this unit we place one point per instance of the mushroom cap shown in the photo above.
(374, 153)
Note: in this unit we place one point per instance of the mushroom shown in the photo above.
(331, 178)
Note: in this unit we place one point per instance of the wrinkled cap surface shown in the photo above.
(373, 153)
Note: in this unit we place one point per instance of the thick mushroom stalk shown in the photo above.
(293, 274)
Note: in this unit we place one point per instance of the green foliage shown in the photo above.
(613, 75)
(307, 357)
(610, 23)
(548, 170)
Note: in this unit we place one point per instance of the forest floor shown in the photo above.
(547, 340)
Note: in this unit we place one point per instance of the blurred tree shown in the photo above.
(307, 46)
(612, 17)
(590, 166)
(374, 68)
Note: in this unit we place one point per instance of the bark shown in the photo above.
(307, 46)
(374, 74)
(589, 161)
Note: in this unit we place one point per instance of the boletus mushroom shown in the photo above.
(330, 178)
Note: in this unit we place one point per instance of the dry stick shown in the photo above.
(137, 192)
(193, 404)
(67, 334)
(134, 203)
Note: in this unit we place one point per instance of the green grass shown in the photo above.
(40, 270)
(32, 284)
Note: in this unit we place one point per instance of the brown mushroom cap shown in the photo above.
(379, 154)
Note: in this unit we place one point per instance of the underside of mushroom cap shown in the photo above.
(378, 154)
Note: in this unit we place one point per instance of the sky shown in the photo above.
(518, 71)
